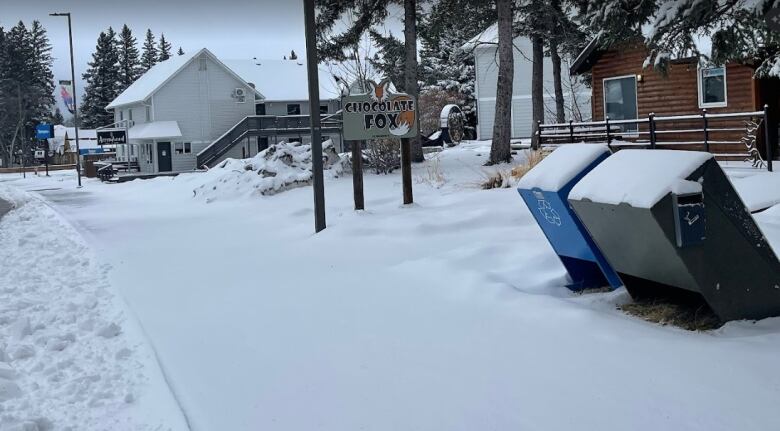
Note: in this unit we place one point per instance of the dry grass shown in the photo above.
(506, 177)
(685, 315)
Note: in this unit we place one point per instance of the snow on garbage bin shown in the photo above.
(545, 189)
(671, 224)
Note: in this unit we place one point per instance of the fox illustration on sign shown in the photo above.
(380, 113)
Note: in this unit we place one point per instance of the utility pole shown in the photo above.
(314, 115)
(75, 92)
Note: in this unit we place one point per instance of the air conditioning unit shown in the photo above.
(240, 95)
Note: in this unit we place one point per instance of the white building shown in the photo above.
(485, 49)
(181, 106)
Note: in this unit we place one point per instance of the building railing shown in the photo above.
(264, 125)
(698, 131)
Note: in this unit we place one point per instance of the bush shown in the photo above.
(507, 176)
(383, 155)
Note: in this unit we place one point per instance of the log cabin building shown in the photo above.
(625, 87)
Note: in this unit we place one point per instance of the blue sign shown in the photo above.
(44, 131)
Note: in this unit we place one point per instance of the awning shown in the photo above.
(155, 130)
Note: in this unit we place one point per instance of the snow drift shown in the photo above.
(281, 167)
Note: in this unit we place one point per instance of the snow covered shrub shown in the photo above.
(532, 158)
(434, 175)
(506, 177)
(280, 167)
(383, 155)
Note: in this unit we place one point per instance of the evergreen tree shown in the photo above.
(149, 56)
(293, 55)
(56, 117)
(180, 52)
(444, 65)
(737, 28)
(389, 61)
(129, 61)
(102, 82)
(26, 86)
(163, 49)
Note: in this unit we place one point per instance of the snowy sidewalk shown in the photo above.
(69, 356)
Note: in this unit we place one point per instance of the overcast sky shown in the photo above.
(231, 29)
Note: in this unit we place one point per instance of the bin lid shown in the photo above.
(640, 178)
(561, 166)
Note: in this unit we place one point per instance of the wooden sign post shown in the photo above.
(357, 174)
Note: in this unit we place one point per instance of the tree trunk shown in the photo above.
(410, 71)
(537, 88)
(500, 149)
(560, 102)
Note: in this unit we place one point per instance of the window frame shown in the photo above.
(700, 89)
(325, 107)
(636, 97)
(294, 104)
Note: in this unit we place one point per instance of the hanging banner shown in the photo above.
(66, 91)
(379, 113)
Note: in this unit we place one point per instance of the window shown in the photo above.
(323, 109)
(202, 64)
(262, 143)
(620, 100)
(293, 109)
(182, 148)
(260, 109)
(712, 87)
(130, 114)
(121, 115)
(148, 114)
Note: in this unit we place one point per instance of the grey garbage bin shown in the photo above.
(670, 220)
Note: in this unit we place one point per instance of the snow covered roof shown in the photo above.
(640, 178)
(561, 166)
(589, 55)
(61, 131)
(155, 130)
(157, 76)
(487, 36)
(281, 79)
(272, 79)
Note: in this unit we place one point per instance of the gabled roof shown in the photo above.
(151, 81)
(282, 80)
(487, 36)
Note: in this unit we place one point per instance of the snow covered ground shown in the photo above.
(70, 358)
(446, 315)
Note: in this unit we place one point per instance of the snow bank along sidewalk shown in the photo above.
(69, 357)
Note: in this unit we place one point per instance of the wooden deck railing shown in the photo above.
(710, 132)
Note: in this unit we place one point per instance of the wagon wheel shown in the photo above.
(456, 124)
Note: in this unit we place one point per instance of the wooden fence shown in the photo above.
(726, 135)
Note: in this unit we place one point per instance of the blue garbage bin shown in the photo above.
(545, 190)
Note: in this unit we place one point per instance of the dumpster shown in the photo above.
(545, 190)
(671, 225)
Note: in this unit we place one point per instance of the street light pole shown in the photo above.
(73, 84)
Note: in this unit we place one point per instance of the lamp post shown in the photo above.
(75, 106)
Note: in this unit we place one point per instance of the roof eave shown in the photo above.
(584, 62)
